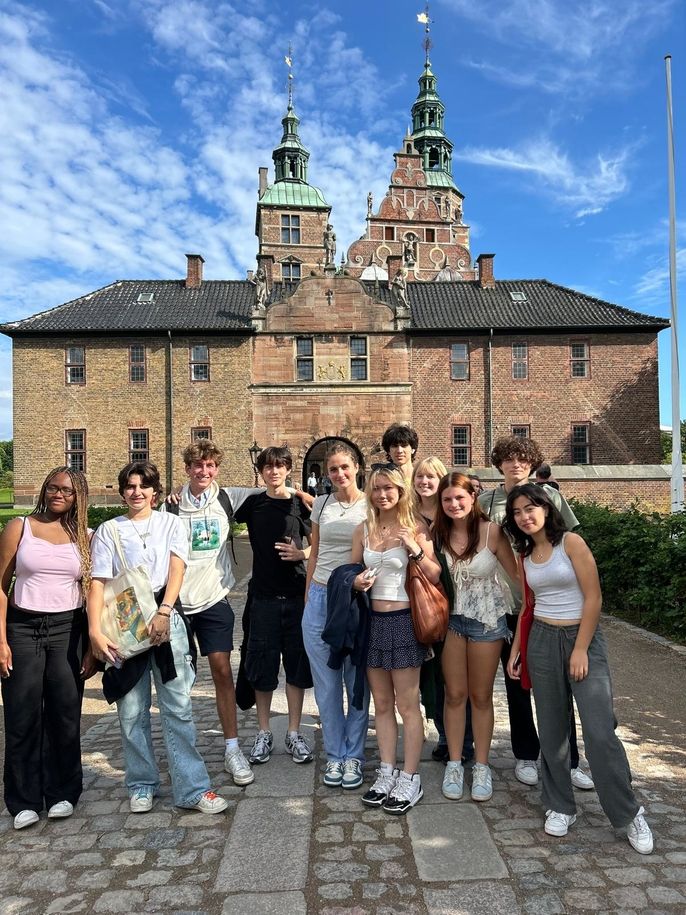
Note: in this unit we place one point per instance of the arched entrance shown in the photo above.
(315, 461)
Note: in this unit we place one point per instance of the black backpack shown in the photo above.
(225, 502)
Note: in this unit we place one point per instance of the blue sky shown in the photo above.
(133, 130)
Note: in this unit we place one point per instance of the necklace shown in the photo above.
(146, 533)
(346, 508)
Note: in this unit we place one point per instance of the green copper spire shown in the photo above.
(428, 119)
(290, 156)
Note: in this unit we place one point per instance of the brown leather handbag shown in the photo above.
(429, 606)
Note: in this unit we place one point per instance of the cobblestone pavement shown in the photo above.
(292, 846)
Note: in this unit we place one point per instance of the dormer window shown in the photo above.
(290, 271)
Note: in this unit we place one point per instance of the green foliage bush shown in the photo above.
(642, 563)
(97, 514)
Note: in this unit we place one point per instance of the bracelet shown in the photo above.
(165, 615)
(170, 607)
(417, 556)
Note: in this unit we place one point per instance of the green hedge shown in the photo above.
(642, 563)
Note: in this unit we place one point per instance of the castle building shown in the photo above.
(409, 328)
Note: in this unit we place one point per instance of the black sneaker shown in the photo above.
(382, 787)
(406, 793)
(441, 753)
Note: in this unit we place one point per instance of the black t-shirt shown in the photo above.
(269, 520)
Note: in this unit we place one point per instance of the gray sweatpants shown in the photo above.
(548, 654)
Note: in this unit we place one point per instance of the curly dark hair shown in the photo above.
(400, 434)
(555, 527)
(442, 524)
(510, 446)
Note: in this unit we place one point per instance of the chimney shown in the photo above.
(262, 187)
(194, 264)
(250, 275)
(486, 278)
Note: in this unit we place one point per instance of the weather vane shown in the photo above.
(289, 64)
(427, 44)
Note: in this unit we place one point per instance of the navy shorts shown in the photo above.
(213, 627)
(475, 631)
(276, 633)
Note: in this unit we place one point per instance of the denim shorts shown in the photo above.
(475, 631)
(213, 627)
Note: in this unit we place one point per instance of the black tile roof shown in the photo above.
(225, 306)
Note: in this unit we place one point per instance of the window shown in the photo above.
(459, 362)
(200, 362)
(139, 449)
(290, 271)
(137, 362)
(518, 296)
(146, 298)
(462, 446)
(290, 230)
(358, 359)
(75, 364)
(199, 432)
(304, 359)
(521, 431)
(389, 233)
(430, 235)
(520, 361)
(581, 443)
(75, 449)
(580, 360)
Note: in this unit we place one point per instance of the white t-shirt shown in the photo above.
(209, 574)
(337, 523)
(163, 534)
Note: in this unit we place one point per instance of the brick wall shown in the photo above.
(310, 251)
(109, 405)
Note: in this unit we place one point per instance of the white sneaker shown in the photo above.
(386, 777)
(211, 803)
(557, 824)
(25, 818)
(482, 782)
(141, 800)
(582, 780)
(526, 771)
(352, 774)
(453, 781)
(238, 768)
(639, 835)
(333, 777)
(60, 810)
(406, 793)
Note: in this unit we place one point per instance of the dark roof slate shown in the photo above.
(225, 305)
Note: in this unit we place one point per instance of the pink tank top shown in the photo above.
(48, 575)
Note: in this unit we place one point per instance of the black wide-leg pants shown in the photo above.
(42, 709)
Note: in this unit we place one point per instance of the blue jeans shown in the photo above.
(344, 734)
(187, 770)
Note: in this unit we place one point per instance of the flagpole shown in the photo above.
(677, 486)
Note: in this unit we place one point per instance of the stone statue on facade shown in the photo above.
(329, 245)
(399, 294)
(409, 254)
(370, 203)
(261, 291)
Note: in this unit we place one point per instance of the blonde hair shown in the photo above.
(75, 520)
(405, 514)
(431, 463)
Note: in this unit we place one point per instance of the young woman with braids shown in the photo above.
(43, 661)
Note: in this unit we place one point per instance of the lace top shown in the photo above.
(478, 593)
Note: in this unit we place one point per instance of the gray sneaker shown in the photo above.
(299, 749)
(262, 747)
(237, 766)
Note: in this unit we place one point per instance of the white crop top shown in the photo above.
(479, 594)
(389, 584)
(555, 586)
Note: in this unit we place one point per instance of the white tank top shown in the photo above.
(389, 584)
(555, 586)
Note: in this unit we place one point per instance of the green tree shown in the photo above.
(666, 442)
(7, 455)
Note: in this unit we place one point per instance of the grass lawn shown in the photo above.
(6, 496)
(7, 513)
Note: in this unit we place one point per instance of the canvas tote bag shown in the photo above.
(129, 605)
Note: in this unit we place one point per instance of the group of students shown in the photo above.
(328, 598)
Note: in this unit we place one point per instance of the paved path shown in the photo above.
(290, 846)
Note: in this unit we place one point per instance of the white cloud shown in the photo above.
(557, 45)
(584, 190)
